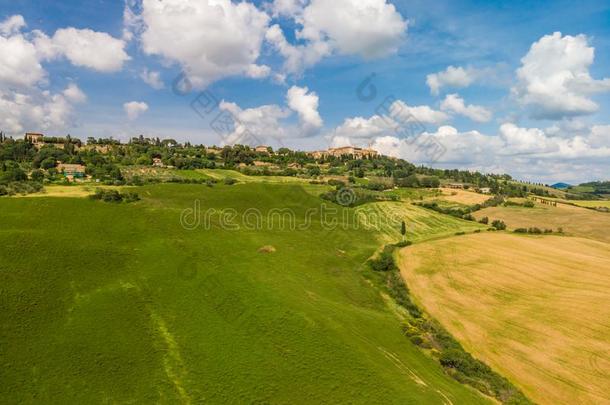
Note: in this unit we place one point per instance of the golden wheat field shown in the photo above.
(535, 308)
(575, 221)
(463, 196)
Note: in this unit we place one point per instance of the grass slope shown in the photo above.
(103, 303)
(422, 224)
(539, 316)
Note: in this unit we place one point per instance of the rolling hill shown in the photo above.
(106, 303)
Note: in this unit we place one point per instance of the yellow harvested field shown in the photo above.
(463, 196)
(76, 191)
(535, 308)
(592, 203)
(575, 221)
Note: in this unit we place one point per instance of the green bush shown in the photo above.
(336, 183)
(417, 340)
(383, 262)
(499, 225)
(114, 196)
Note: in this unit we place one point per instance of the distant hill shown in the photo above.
(560, 186)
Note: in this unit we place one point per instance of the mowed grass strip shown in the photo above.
(221, 174)
(533, 308)
(384, 218)
(575, 221)
(119, 303)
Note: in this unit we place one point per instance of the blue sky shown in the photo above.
(535, 125)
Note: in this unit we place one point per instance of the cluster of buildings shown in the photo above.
(354, 151)
(39, 140)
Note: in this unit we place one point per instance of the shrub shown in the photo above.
(520, 230)
(37, 175)
(528, 204)
(499, 225)
(131, 197)
(114, 196)
(468, 217)
(229, 181)
(384, 262)
(376, 186)
(417, 340)
(403, 243)
(534, 230)
(336, 183)
(484, 220)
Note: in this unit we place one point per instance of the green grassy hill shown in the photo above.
(104, 303)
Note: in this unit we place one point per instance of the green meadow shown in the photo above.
(121, 303)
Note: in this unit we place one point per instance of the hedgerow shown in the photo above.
(430, 336)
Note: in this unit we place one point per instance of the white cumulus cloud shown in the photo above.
(554, 79)
(402, 112)
(12, 25)
(133, 109)
(37, 110)
(19, 62)
(450, 77)
(367, 28)
(83, 47)
(209, 39)
(455, 104)
(255, 126)
(305, 103)
(74, 94)
(152, 78)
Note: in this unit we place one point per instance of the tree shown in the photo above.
(403, 229)
(48, 163)
(430, 182)
(409, 181)
(314, 171)
(37, 175)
